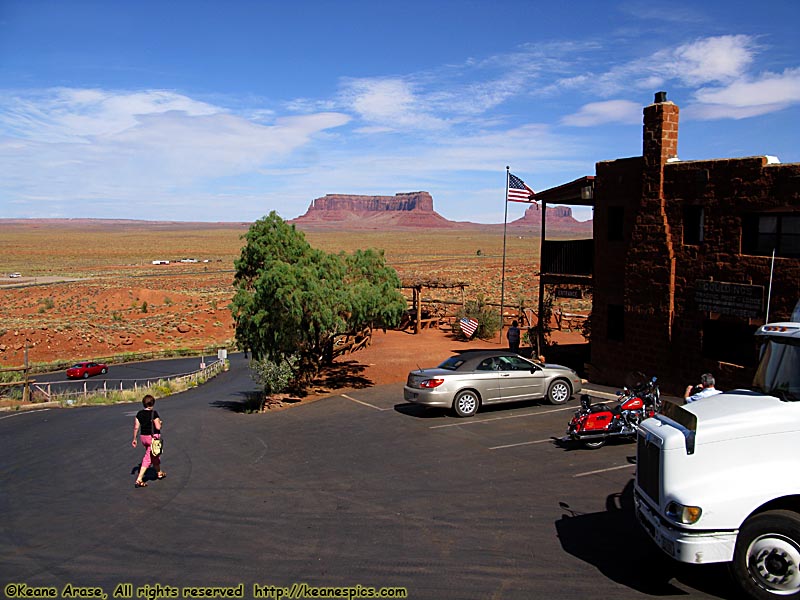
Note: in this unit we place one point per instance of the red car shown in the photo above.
(86, 369)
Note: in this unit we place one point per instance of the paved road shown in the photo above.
(359, 488)
(123, 375)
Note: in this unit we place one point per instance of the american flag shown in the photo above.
(468, 326)
(518, 191)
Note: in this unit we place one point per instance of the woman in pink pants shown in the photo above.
(146, 425)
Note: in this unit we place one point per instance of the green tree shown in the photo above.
(292, 299)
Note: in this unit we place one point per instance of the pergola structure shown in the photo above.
(417, 285)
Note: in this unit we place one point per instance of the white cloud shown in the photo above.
(63, 114)
(714, 59)
(135, 147)
(388, 104)
(711, 60)
(747, 98)
(601, 113)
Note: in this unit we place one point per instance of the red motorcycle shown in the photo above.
(594, 424)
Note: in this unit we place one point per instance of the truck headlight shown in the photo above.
(688, 515)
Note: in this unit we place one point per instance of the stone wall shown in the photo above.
(647, 269)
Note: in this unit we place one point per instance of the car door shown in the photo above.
(486, 380)
(520, 379)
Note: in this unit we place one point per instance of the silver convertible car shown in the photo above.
(471, 379)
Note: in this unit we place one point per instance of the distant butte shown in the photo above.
(415, 210)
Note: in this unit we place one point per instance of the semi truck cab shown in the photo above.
(718, 480)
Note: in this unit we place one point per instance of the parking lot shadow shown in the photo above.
(419, 411)
(248, 402)
(613, 542)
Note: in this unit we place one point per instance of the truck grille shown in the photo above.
(648, 468)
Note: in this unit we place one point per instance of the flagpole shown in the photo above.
(503, 278)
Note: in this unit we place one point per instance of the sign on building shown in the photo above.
(734, 299)
(569, 293)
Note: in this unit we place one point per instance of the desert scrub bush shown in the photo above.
(161, 388)
(274, 377)
(488, 318)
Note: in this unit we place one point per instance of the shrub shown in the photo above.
(274, 377)
(488, 318)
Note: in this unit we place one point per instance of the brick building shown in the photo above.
(683, 259)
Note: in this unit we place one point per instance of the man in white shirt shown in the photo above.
(706, 389)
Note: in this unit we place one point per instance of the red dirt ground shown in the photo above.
(393, 354)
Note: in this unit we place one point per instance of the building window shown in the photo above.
(693, 222)
(761, 234)
(616, 322)
(616, 222)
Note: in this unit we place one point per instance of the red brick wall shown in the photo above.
(653, 273)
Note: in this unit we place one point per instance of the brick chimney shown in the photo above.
(660, 141)
(652, 290)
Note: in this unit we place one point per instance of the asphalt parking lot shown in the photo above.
(356, 489)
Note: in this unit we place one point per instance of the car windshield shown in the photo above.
(778, 372)
(77, 366)
(452, 363)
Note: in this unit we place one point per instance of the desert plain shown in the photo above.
(88, 289)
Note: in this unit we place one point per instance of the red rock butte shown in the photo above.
(413, 210)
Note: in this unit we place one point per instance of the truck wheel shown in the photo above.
(766, 561)
(559, 392)
(466, 403)
(594, 444)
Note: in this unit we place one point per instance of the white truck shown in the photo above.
(718, 480)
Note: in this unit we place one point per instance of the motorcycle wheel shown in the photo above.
(594, 444)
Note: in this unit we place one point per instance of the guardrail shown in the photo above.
(60, 389)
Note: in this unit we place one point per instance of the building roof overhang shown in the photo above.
(579, 192)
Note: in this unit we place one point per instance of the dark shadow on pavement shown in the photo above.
(421, 412)
(613, 543)
(249, 402)
(427, 412)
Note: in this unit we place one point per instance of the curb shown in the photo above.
(30, 406)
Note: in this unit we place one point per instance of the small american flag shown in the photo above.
(468, 326)
(518, 191)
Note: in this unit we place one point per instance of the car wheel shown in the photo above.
(86, 374)
(559, 392)
(767, 555)
(466, 403)
(104, 370)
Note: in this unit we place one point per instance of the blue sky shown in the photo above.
(209, 110)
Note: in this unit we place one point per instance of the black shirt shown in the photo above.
(146, 418)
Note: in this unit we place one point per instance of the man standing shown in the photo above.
(513, 337)
(706, 389)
